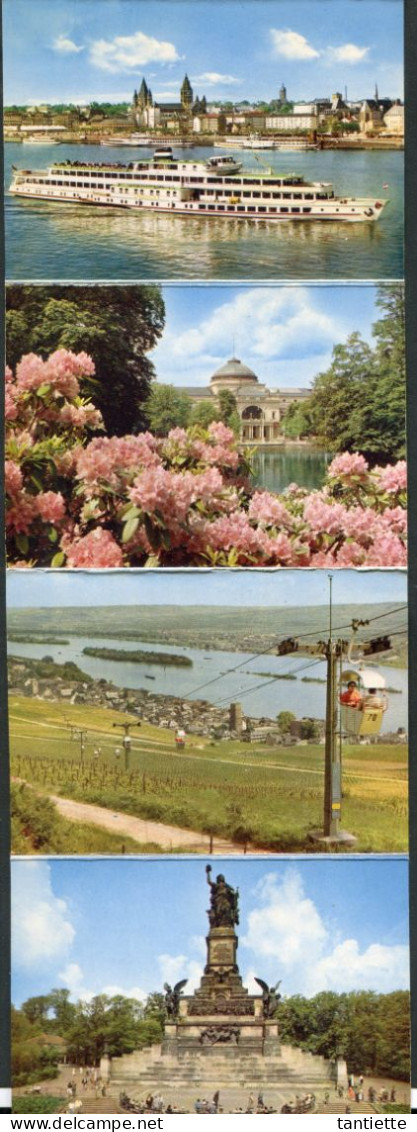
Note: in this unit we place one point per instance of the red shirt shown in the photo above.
(351, 697)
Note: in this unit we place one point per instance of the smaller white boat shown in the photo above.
(40, 139)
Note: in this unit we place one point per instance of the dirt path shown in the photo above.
(168, 837)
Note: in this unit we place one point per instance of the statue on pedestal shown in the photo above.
(224, 902)
(270, 998)
(172, 998)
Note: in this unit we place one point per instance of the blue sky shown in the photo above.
(126, 926)
(79, 50)
(35, 588)
(286, 334)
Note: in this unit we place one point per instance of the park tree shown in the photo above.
(228, 411)
(358, 404)
(297, 422)
(36, 1009)
(372, 1031)
(167, 408)
(340, 393)
(203, 413)
(116, 326)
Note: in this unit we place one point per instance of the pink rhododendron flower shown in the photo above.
(13, 477)
(268, 510)
(97, 549)
(191, 491)
(348, 464)
(323, 516)
(392, 478)
(50, 506)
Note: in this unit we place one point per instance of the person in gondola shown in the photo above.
(352, 697)
(375, 699)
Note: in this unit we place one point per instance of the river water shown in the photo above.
(58, 242)
(304, 699)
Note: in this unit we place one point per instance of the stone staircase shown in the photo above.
(150, 1071)
(335, 1107)
(96, 1105)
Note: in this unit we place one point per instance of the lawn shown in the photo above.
(275, 794)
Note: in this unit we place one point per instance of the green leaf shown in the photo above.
(131, 513)
(22, 543)
(130, 529)
(53, 534)
(58, 559)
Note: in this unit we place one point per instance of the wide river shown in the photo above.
(304, 699)
(58, 242)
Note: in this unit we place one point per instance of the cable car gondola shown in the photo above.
(365, 718)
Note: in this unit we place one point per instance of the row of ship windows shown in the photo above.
(226, 192)
(190, 180)
(122, 176)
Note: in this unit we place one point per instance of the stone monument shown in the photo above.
(221, 1036)
(221, 1013)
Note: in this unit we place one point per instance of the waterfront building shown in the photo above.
(176, 117)
(394, 119)
(261, 410)
(372, 114)
(291, 123)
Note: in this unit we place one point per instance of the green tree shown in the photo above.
(118, 326)
(310, 729)
(35, 1009)
(297, 422)
(383, 422)
(167, 408)
(284, 720)
(203, 413)
(228, 410)
(341, 393)
(358, 404)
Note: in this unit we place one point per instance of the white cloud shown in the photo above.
(290, 939)
(378, 967)
(66, 46)
(127, 992)
(267, 324)
(213, 78)
(348, 53)
(287, 925)
(292, 45)
(126, 53)
(73, 978)
(176, 967)
(42, 931)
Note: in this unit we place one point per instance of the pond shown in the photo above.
(275, 468)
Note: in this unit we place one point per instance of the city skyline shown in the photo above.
(84, 925)
(53, 53)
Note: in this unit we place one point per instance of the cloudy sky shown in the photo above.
(124, 926)
(286, 334)
(60, 588)
(79, 50)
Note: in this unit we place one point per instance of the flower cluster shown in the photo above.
(79, 500)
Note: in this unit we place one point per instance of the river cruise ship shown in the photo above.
(214, 187)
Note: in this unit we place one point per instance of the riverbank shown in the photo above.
(228, 141)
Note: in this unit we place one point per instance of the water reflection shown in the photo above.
(73, 242)
(276, 468)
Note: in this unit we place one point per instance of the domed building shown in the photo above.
(261, 410)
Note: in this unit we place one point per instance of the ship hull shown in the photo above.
(368, 212)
